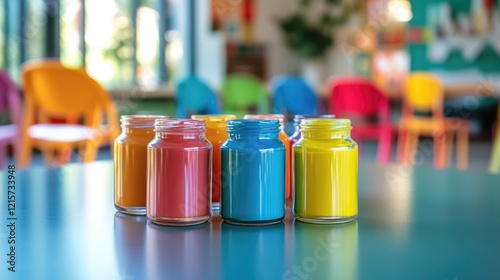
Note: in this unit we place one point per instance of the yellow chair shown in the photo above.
(54, 91)
(495, 157)
(423, 92)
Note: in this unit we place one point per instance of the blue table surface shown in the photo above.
(413, 223)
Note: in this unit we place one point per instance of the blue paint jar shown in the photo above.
(253, 173)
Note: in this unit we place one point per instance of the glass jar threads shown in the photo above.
(216, 133)
(130, 162)
(179, 173)
(326, 172)
(253, 173)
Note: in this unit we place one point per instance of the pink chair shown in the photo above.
(9, 101)
(360, 100)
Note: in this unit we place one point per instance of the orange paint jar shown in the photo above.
(130, 162)
(284, 138)
(216, 134)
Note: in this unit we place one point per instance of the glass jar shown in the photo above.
(284, 138)
(130, 162)
(179, 173)
(217, 134)
(326, 172)
(253, 173)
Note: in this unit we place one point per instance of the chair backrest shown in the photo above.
(9, 98)
(52, 90)
(194, 97)
(242, 91)
(423, 91)
(292, 95)
(357, 96)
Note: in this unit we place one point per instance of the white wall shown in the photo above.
(281, 60)
(210, 60)
(210, 48)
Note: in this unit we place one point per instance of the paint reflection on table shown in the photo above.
(323, 251)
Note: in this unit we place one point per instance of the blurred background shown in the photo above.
(140, 51)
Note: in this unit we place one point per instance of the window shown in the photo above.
(121, 43)
(72, 43)
(109, 36)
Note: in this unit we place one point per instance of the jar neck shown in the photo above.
(325, 128)
(179, 129)
(179, 135)
(253, 136)
(220, 129)
(326, 134)
(137, 131)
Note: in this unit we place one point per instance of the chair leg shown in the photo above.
(16, 148)
(448, 149)
(90, 150)
(411, 147)
(25, 153)
(402, 134)
(64, 155)
(384, 147)
(360, 150)
(463, 146)
(439, 149)
(3, 156)
(48, 156)
(495, 157)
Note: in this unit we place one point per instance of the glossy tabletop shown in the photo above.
(413, 223)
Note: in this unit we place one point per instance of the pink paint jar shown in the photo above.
(179, 173)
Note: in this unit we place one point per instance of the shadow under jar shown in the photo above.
(179, 173)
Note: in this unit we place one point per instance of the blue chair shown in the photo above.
(293, 96)
(194, 97)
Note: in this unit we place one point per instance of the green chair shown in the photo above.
(244, 94)
(495, 157)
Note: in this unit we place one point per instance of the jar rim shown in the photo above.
(253, 125)
(300, 117)
(179, 124)
(278, 117)
(326, 124)
(215, 120)
(140, 121)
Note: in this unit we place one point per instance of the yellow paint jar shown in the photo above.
(325, 172)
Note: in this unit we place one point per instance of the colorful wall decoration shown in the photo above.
(455, 35)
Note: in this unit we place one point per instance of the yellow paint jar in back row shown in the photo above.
(325, 172)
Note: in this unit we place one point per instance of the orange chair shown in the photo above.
(54, 91)
(495, 157)
(424, 93)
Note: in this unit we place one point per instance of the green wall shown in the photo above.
(487, 62)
